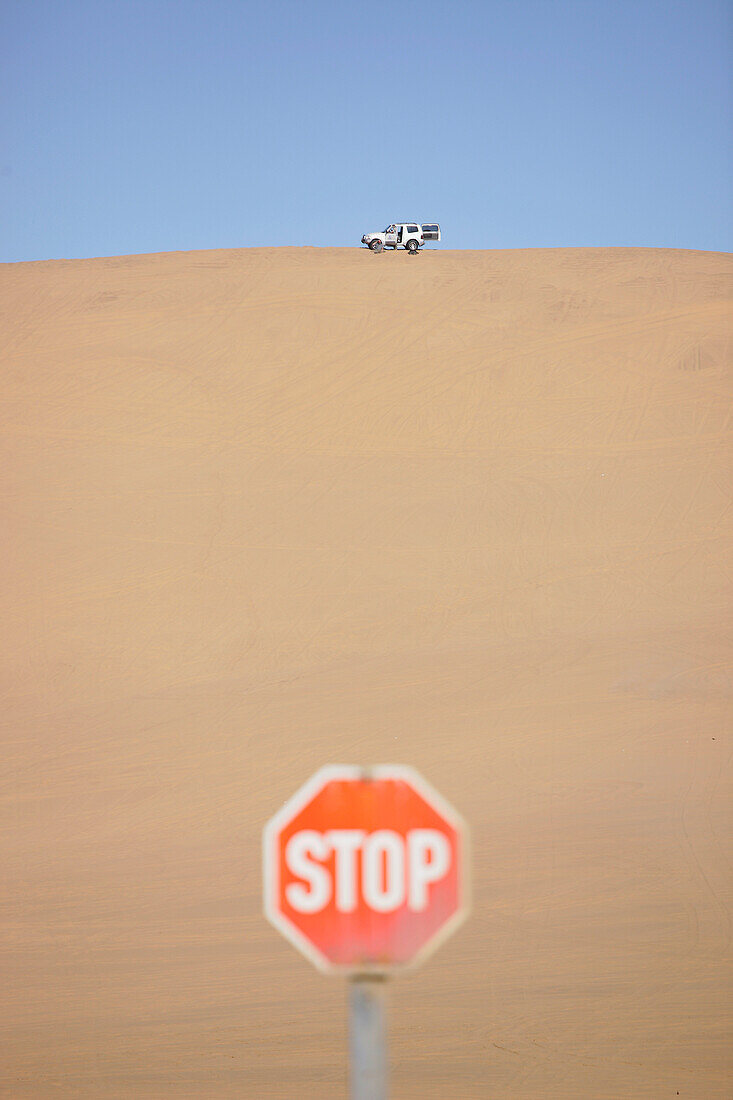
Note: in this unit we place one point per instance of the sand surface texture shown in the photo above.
(271, 509)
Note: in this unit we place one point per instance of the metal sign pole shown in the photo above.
(368, 1037)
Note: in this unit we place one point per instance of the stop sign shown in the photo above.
(364, 868)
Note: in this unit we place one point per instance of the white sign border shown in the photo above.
(305, 794)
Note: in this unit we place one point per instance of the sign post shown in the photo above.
(368, 1038)
(364, 873)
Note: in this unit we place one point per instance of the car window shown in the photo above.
(412, 228)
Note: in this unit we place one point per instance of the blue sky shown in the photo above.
(163, 125)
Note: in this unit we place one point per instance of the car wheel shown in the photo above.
(376, 246)
(412, 247)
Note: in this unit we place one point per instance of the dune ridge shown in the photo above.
(268, 509)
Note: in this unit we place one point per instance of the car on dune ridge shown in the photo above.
(409, 235)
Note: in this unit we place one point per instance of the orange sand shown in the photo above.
(271, 509)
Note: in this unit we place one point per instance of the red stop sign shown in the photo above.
(364, 869)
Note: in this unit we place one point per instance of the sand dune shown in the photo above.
(271, 509)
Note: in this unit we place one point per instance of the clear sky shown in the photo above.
(162, 125)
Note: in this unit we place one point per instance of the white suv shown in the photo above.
(407, 235)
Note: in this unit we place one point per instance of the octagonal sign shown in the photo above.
(364, 869)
